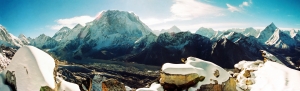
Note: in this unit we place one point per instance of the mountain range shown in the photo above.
(121, 36)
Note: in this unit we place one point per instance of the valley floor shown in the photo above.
(131, 74)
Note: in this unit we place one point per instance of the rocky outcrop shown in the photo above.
(11, 80)
(229, 85)
(112, 85)
(83, 80)
(172, 82)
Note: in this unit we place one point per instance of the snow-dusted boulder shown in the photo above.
(245, 76)
(208, 71)
(32, 68)
(179, 76)
(194, 70)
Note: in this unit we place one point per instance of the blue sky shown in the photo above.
(35, 17)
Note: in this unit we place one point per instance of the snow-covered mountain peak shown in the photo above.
(61, 33)
(293, 33)
(24, 39)
(64, 29)
(22, 36)
(174, 29)
(117, 22)
(207, 32)
(78, 26)
(267, 33)
(271, 27)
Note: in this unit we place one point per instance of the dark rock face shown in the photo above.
(171, 47)
(11, 80)
(81, 79)
(226, 54)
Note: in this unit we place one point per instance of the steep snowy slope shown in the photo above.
(59, 35)
(24, 39)
(207, 32)
(276, 77)
(16, 41)
(113, 31)
(112, 26)
(8, 39)
(43, 41)
(72, 34)
(275, 37)
(267, 33)
(281, 40)
(248, 43)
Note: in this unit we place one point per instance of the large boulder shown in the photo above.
(179, 76)
(179, 81)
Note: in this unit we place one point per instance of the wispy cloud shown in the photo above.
(232, 8)
(71, 22)
(189, 9)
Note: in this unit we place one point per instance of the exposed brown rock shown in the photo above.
(217, 74)
(178, 82)
(229, 85)
(112, 85)
(247, 74)
(46, 88)
(249, 82)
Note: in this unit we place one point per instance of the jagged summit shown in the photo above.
(78, 26)
(267, 33)
(61, 33)
(117, 14)
(272, 26)
(21, 36)
(117, 22)
(24, 39)
(63, 29)
(173, 29)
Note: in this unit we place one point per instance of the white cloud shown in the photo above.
(244, 4)
(71, 22)
(152, 21)
(189, 9)
(232, 8)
